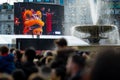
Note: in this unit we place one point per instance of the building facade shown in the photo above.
(51, 1)
(47, 1)
(6, 19)
(115, 12)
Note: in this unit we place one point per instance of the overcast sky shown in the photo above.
(10, 1)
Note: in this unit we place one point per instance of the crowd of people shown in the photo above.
(65, 63)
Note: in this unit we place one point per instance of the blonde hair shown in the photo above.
(35, 76)
(5, 76)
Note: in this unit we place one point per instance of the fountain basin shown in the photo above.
(95, 31)
(94, 28)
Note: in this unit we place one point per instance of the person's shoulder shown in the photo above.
(10, 55)
(1, 58)
(28, 64)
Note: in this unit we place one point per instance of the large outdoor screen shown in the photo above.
(37, 18)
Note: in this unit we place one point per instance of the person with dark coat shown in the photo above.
(18, 59)
(29, 67)
(6, 61)
(106, 65)
(75, 67)
(18, 74)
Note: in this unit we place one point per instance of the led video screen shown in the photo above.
(37, 18)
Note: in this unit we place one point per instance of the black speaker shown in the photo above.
(38, 44)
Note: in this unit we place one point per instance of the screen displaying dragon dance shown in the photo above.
(38, 19)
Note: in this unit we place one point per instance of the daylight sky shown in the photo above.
(10, 1)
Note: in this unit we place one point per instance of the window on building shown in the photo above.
(30, 0)
(52, 1)
(39, 0)
(9, 16)
(8, 29)
(9, 7)
(61, 2)
(0, 7)
(71, 1)
(26, 0)
(47, 0)
(0, 28)
(9, 26)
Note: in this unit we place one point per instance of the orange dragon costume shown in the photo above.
(29, 22)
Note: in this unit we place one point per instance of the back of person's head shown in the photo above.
(106, 65)
(58, 73)
(61, 42)
(56, 64)
(4, 50)
(11, 50)
(5, 77)
(45, 69)
(78, 60)
(49, 53)
(19, 75)
(35, 76)
(30, 54)
(18, 54)
(75, 65)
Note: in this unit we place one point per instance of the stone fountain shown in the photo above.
(94, 32)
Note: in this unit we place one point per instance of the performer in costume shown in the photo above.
(16, 21)
(49, 21)
(33, 23)
(16, 24)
